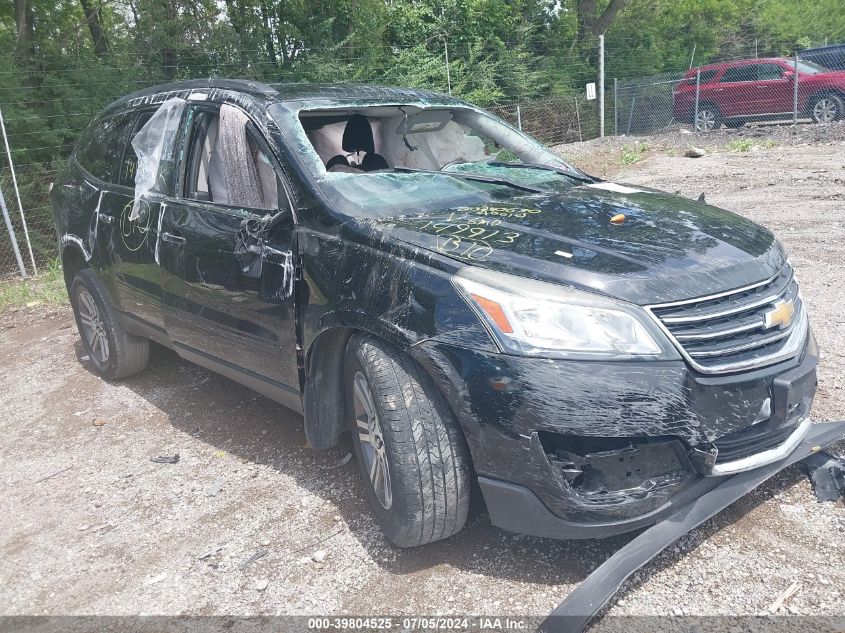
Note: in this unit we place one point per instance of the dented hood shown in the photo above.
(667, 248)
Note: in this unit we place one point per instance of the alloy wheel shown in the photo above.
(825, 110)
(93, 328)
(705, 121)
(371, 439)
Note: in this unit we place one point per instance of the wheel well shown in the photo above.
(811, 100)
(324, 402)
(692, 112)
(72, 262)
(710, 105)
(824, 92)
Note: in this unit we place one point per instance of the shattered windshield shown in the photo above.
(387, 160)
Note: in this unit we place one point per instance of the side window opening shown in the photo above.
(737, 74)
(102, 147)
(228, 163)
(769, 72)
(129, 164)
(155, 147)
(706, 77)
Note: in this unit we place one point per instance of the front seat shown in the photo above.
(358, 137)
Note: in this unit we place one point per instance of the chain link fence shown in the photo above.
(28, 235)
(553, 121)
(644, 105)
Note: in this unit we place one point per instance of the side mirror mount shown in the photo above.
(788, 74)
(249, 243)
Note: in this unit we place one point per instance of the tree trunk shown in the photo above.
(588, 22)
(25, 22)
(235, 14)
(267, 27)
(603, 22)
(98, 36)
(169, 12)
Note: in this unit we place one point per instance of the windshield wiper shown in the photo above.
(493, 180)
(559, 170)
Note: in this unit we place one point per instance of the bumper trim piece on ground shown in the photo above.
(827, 474)
(586, 600)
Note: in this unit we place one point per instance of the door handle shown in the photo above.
(718, 90)
(105, 219)
(171, 238)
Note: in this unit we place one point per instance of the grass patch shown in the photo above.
(633, 153)
(749, 145)
(48, 288)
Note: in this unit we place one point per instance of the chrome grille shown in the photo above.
(727, 332)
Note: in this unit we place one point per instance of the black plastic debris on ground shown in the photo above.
(166, 459)
(827, 474)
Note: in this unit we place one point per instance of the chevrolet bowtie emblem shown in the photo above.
(780, 315)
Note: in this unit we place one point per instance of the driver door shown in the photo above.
(235, 319)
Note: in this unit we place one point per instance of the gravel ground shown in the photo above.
(252, 521)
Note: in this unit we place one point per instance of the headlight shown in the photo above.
(534, 318)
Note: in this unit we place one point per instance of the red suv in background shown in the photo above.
(758, 89)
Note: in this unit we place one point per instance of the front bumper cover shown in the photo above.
(533, 424)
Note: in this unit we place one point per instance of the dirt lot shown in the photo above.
(89, 525)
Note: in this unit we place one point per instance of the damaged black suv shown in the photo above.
(403, 267)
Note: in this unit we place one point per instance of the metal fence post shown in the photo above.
(578, 118)
(601, 85)
(615, 107)
(795, 95)
(631, 114)
(697, 95)
(17, 193)
(448, 74)
(519, 117)
(12, 234)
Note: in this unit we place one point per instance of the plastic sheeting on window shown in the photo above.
(154, 145)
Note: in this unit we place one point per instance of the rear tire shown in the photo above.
(413, 459)
(113, 352)
(826, 108)
(708, 118)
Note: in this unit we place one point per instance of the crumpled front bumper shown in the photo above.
(569, 449)
(587, 599)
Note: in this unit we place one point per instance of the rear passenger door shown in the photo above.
(737, 93)
(122, 250)
(129, 246)
(219, 311)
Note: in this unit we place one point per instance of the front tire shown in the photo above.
(707, 119)
(412, 456)
(113, 352)
(826, 108)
